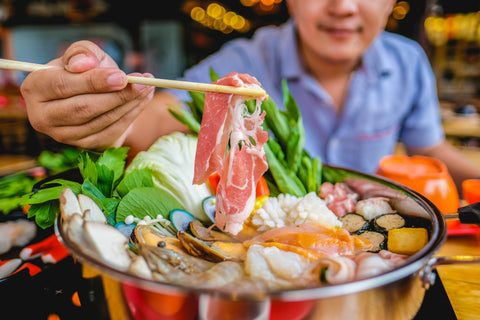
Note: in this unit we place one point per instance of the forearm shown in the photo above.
(154, 122)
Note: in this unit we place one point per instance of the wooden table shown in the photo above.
(14, 163)
(462, 282)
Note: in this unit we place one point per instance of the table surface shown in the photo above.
(462, 281)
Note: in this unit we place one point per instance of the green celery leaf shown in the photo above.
(110, 206)
(106, 179)
(87, 167)
(45, 213)
(66, 159)
(115, 160)
(89, 189)
(50, 191)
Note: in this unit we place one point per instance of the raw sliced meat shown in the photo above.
(230, 142)
(339, 198)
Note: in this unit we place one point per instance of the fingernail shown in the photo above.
(116, 80)
(141, 87)
(138, 87)
(75, 60)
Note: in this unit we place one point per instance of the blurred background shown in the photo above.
(165, 37)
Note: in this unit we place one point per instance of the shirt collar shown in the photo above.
(375, 62)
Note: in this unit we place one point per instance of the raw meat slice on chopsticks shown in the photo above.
(230, 142)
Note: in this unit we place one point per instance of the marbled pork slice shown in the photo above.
(230, 142)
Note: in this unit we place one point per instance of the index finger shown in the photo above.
(57, 83)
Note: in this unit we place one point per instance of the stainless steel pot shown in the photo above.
(397, 294)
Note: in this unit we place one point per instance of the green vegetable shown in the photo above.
(149, 201)
(14, 186)
(104, 181)
(188, 119)
(285, 180)
(171, 160)
(138, 178)
(44, 203)
(59, 162)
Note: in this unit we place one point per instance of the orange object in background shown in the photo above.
(471, 190)
(427, 176)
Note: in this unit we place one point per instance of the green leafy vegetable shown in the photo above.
(44, 203)
(58, 162)
(14, 186)
(135, 179)
(150, 201)
(101, 174)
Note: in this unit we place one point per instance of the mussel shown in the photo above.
(202, 249)
(208, 234)
(148, 235)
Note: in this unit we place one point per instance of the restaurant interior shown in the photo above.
(166, 37)
(166, 40)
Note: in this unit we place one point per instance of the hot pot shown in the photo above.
(397, 294)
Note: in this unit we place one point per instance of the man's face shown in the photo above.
(339, 30)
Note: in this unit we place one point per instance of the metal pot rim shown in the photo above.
(413, 264)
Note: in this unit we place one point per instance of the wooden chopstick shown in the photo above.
(163, 83)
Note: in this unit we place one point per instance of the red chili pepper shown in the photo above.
(214, 179)
(37, 249)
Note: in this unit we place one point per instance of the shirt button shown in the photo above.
(334, 143)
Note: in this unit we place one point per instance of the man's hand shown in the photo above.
(84, 99)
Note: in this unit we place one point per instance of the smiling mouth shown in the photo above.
(339, 31)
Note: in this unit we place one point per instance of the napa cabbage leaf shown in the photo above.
(171, 160)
